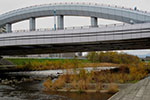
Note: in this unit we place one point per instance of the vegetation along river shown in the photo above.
(34, 90)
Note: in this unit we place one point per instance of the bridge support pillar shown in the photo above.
(32, 24)
(8, 28)
(79, 54)
(94, 22)
(60, 22)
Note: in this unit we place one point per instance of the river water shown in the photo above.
(46, 73)
(35, 91)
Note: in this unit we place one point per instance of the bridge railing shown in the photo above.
(92, 4)
(73, 28)
(79, 3)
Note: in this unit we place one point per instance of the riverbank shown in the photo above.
(55, 64)
(12, 80)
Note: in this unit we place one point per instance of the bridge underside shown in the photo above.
(77, 47)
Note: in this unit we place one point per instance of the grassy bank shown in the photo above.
(22, 61)
(53, 64)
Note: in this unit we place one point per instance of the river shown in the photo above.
(46, 73)
(35, 91)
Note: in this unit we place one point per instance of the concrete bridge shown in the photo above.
(132, 35)
(121, 37)
(94, 11)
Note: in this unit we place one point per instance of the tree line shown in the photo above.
(112, 57)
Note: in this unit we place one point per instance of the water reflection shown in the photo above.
(34, 91)
(83, 96)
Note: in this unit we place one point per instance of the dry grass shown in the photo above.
(98, 86)
(82, 85)
(112, 88)
(59, 83)
(112, 57)
(74, 84)
(66, 64)
(101, 65)
(82, 80)
(47, 84)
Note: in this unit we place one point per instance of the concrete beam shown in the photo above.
(94, 22)
(60, 22)
(32, 24)
(8, 28)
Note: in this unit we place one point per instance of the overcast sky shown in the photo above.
(47, 22)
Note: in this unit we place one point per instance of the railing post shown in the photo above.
(32, 24)
(8, 28)
(60, 22)
(94, 22)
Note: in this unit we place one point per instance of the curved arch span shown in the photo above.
(74, 9)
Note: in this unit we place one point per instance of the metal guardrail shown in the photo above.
(72, 28)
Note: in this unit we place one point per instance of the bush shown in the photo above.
(47, 84)
(74, 84)
(98, 86)
(112, 88)
(138, 71)
(82, 85)
(59, 83)
(112, 57)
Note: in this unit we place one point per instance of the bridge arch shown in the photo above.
(73, 9)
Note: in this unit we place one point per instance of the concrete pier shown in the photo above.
(94, 22)
(32, 24)
(60, 22)
(8, 28)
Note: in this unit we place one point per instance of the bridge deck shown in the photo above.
(124, 37)
(138, 91)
